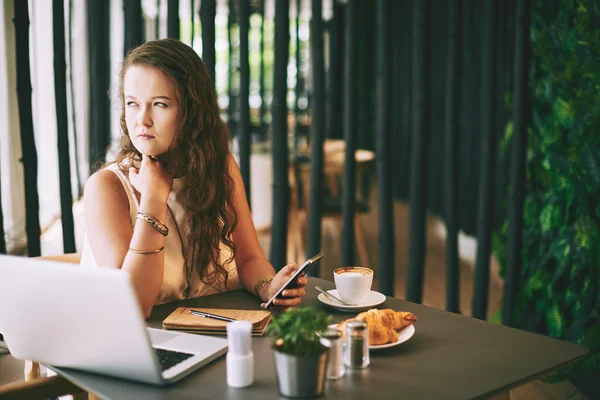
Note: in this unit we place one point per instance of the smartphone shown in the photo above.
(302, 271)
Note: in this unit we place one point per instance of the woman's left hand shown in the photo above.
(292, 295)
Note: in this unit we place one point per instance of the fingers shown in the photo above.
(289, 269)
(282, 302)
(296, 292)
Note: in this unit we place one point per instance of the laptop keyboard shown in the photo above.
(169, 358)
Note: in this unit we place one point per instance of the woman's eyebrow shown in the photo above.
(152, 98)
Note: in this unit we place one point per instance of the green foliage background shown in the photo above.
(559, 284)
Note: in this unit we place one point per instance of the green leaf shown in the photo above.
(555, 321)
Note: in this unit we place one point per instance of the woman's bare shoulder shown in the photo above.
(104, 185)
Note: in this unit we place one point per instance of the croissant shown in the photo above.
(382, 324)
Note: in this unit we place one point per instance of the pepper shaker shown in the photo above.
(357, 345)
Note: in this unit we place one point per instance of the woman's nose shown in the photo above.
(144, 117)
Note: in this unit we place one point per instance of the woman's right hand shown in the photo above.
(152, 181)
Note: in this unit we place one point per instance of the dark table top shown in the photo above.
(450, 356)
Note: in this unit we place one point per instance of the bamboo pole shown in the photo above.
(488, 161)
(244, 122)
(349, 179)
(62, 124)
(521, 110)
(99, 81)
(384, 148)
(317, 133)
(420, 136)
(29, 153)
(451, 158)
(208, 10)
(281, 189)
(173, 31)
(134, 27)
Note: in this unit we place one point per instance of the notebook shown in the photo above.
(182, 320)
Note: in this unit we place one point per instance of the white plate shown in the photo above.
(403, 336)
(373, 300)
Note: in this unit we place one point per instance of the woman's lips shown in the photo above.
(145, 136)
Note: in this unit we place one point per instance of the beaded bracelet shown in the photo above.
(146, 251)
(260, 285)
(156, 224)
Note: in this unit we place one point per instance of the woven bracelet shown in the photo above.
(260, 285)
(156, 224)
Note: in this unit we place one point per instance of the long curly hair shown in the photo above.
(204, 140)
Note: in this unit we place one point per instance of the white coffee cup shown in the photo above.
(353, 284)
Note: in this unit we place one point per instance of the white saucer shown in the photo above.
(373, 299)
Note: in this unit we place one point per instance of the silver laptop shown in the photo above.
(63, 315)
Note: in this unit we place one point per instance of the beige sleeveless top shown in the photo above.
(174, 279)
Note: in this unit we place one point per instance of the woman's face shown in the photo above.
(151, 110)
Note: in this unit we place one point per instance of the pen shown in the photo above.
(209, 315)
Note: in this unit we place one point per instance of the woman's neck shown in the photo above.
(174, 162)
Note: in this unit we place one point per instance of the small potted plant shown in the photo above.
(300, 358)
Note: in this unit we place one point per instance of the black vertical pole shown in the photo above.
(62, 124)
(335, 78)
(298, 77)
(208, 9)
(384, 148)
(488, 160)
(521, 110)
(317, 132)
(232, 107)
(72, 92)
(2, 242)
(261, 83)
(173, 19)
(281, 189)
(157, 26)
(451, 158)
(349, 180)
(30, 163)
(418, 167)
(134, 28)
(99, 80)
(244, 123)
(193, 12)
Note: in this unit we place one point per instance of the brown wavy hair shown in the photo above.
(204, 141)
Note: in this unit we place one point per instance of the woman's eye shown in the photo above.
(131, 104)
(160, 104)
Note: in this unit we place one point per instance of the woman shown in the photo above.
(172, 210)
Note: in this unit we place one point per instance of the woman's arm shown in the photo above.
(111, 236)
(251, 262)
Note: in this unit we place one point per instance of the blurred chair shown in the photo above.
(35, 385)
(333, 171)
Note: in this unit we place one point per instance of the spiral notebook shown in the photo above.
(182, 320)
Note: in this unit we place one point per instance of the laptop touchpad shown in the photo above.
(158, 336)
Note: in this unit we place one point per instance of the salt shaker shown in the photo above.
(357, 345)
(332, 338)
(240, 358)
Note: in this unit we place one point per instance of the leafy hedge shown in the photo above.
(560, 280)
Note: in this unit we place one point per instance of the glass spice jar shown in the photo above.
(357, 345)
(332, 338)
